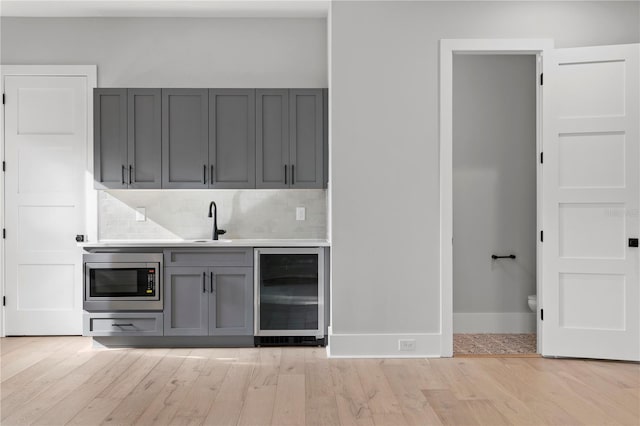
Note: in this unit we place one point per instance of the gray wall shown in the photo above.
(494, 182)
(384, 109)
(175, 52)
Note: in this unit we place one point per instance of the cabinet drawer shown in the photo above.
(123, 324)
(227, 256)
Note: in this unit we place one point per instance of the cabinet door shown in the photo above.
(232, 138)
(231, 303)
(306, 138)
(185, 139)
(186, 306)
(144, 138)
(272, 138)
(110, 138)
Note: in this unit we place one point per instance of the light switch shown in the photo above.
(300, 213)
(141, 214)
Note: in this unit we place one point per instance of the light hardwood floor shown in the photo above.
(62, 380)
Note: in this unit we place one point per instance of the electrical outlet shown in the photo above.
(406, 345)
(300, 213)
(141, 214)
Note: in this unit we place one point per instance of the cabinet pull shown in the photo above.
(204, 287)
(211, 176)
(293, 173)
(204, 174)
(122, 174)
(121, 325)
(130, 174)
(285, 174)
(211, 282)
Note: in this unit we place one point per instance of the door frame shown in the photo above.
(449, 47)
(91, 196)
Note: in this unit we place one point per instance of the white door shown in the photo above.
(45, 153)
(591, 188)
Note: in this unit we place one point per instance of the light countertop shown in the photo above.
(206, 243)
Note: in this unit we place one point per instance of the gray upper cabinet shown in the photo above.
(127, 138)
(185, 138)
(210, 138)
(144, 138)
(272, 138)
(232, 139)
(290, 138)
(306, 138)
(110, 138)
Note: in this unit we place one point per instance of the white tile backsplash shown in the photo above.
(182, 214)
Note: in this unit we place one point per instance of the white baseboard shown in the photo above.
(509, 322)
(382, 345)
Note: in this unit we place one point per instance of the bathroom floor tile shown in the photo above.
(496, 344)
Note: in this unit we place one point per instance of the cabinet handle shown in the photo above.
(211, 282)
(293, 173)
(122, 174)
(204, 287)
(211, 177)
(121, 325)
(204, 174)
(130, 174)
(285, 174)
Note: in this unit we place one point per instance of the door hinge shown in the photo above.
(541, 236)
(541, 314)
(541, 157)
(541, 79)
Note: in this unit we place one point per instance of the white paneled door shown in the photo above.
(45, 152)
(591, 191)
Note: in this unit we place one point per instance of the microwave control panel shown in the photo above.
(151, 281)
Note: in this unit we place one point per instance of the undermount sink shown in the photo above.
(210, 241)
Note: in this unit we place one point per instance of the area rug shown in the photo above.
(494, 344)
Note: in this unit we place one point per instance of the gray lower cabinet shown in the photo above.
(127, 124)
(213, 301)
(122, 324)
(185, 138)
(232, 138)
(290, 138)
(186, 304)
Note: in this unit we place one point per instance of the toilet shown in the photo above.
(532, 301)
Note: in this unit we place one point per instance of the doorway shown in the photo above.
(494, 204)
(448, 48)
(587, 196)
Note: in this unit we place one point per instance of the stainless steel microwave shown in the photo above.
(123, 282)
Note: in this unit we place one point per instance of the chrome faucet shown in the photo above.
(213, 212)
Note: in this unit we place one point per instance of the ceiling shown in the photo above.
(166, 8)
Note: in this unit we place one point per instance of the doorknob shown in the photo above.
(633, 242)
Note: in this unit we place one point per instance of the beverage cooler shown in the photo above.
(289, 296)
